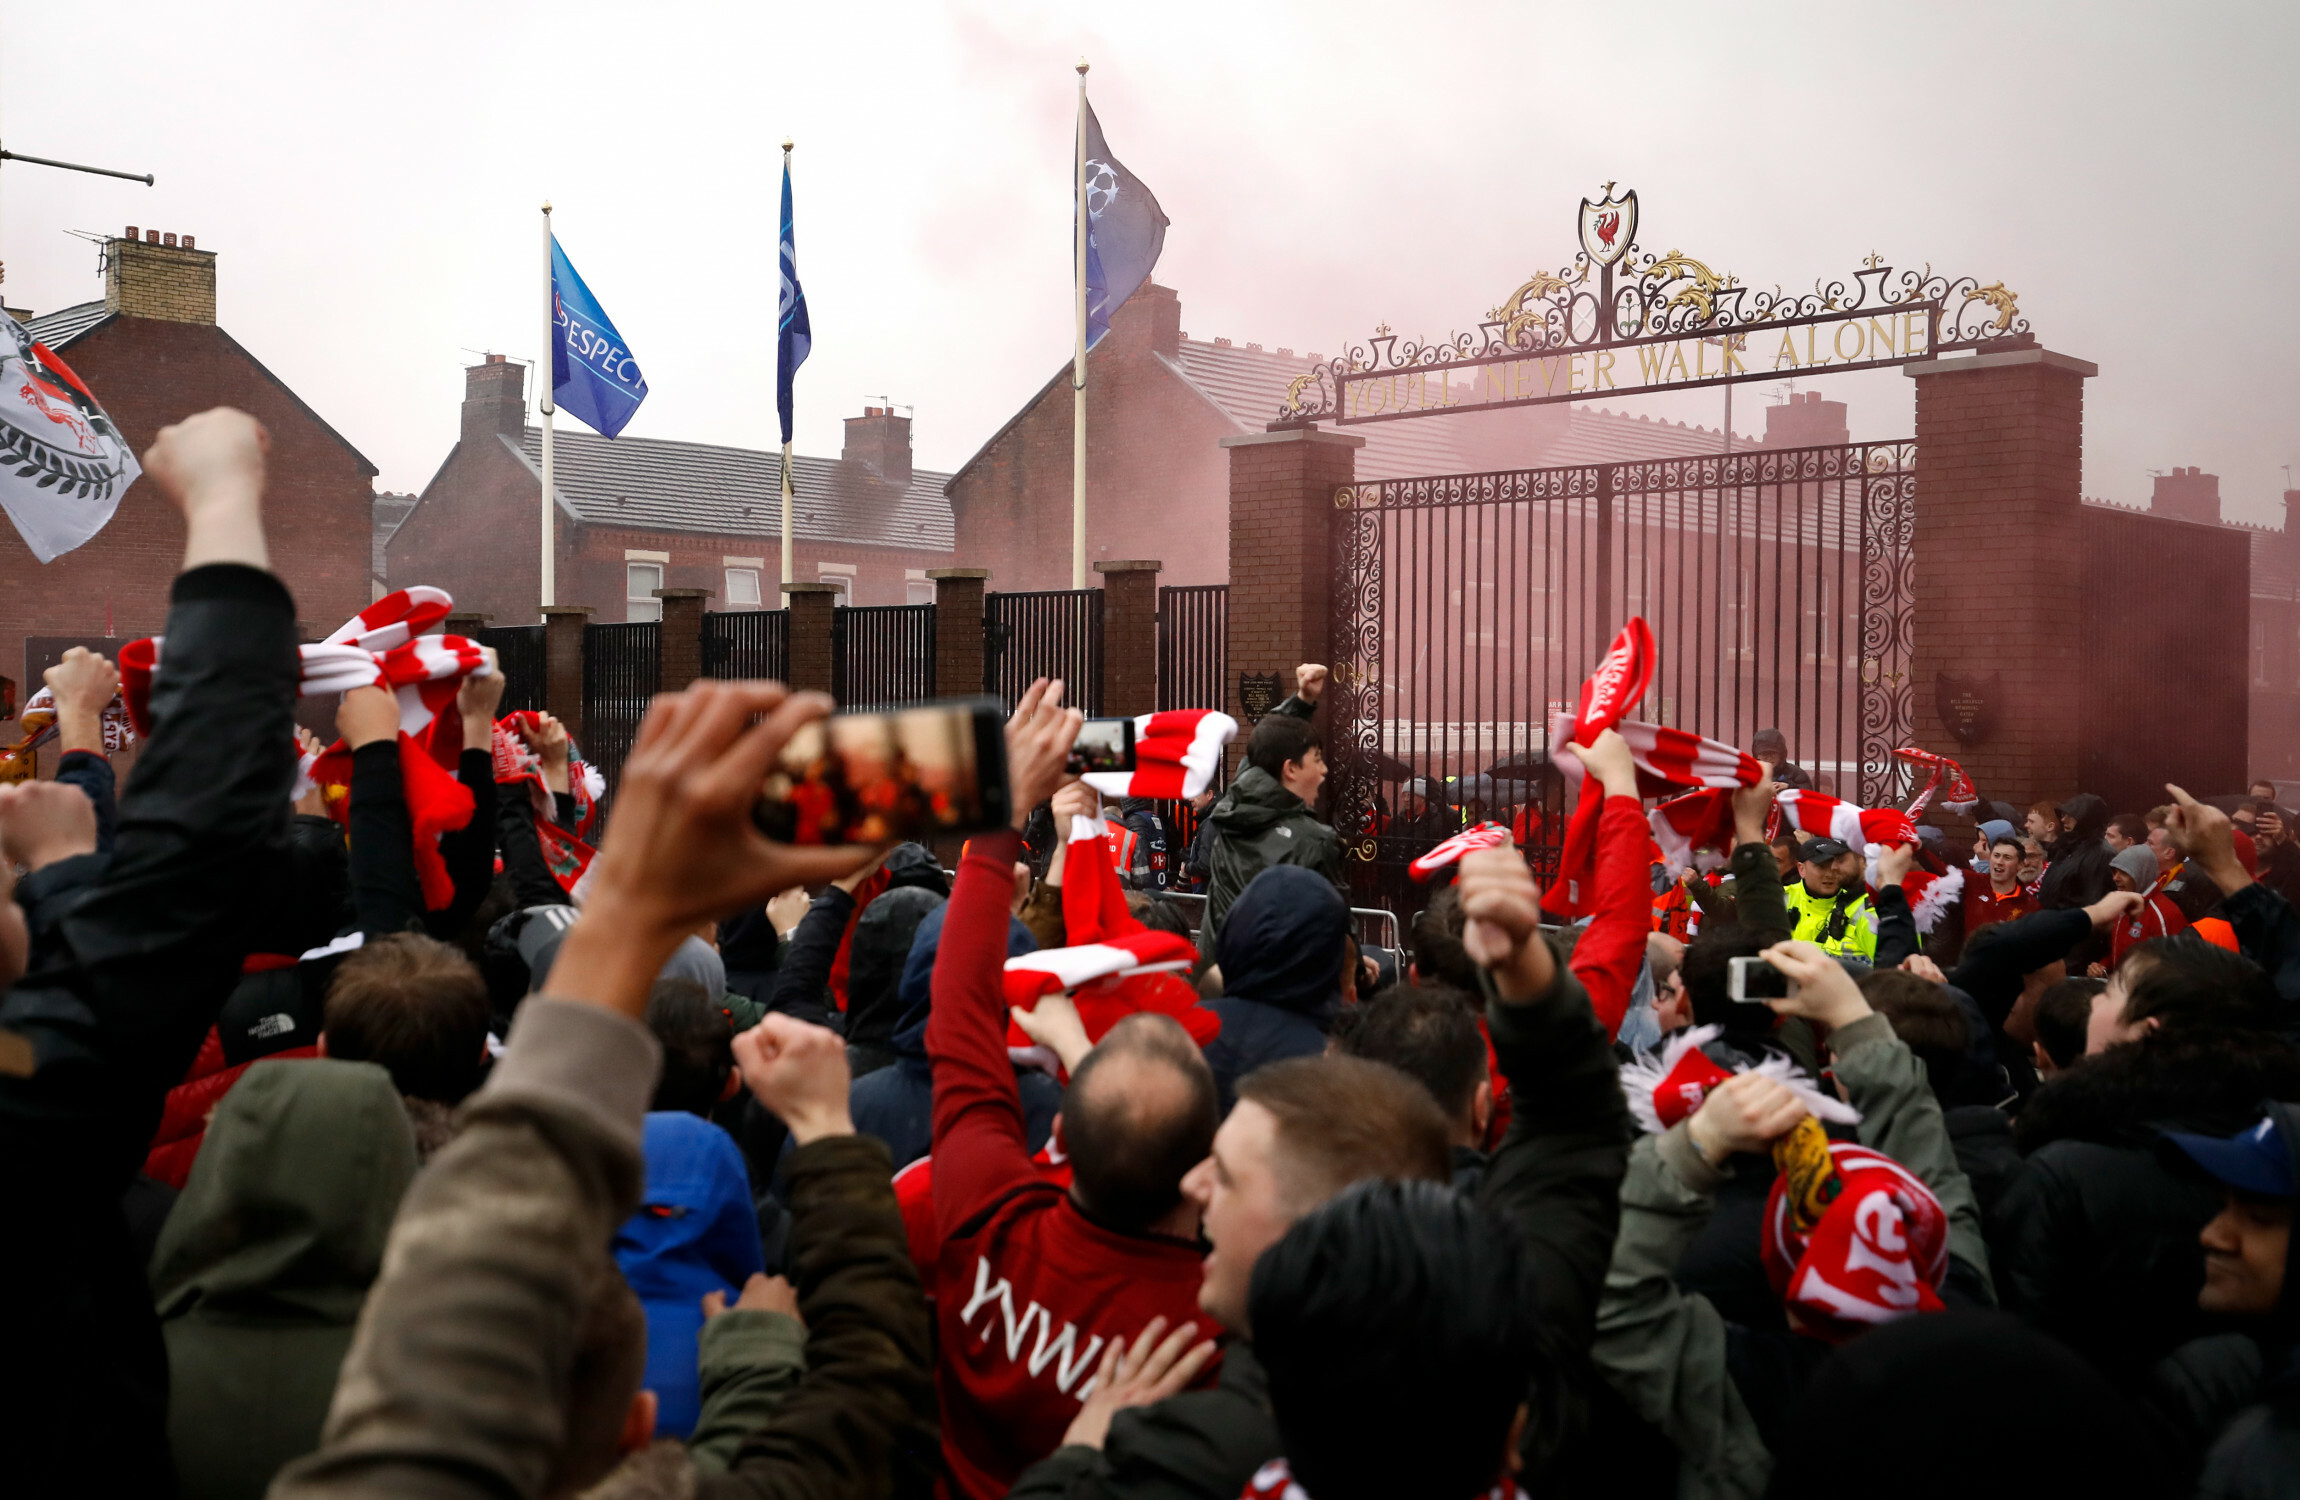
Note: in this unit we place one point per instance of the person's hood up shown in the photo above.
(881, 950)
(697, 960)
(913, 865)
(288, 1205)
(2090, 816)
(917, 989)
(1281, 942)
(2139, 863)
(1254, 804)
(748, 942)
(1996, 828)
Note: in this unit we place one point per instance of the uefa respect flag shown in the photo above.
(63, 462)
(793, 335)
(1125, 230)
(593, 374)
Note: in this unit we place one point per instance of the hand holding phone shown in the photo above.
(1102, 745)
(929, 771)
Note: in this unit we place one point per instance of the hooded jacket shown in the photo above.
(880, 951)
(262, 1268)
(695, 1232)
(1281, 958)
(896, 1104)
(2095, 1238)
(2258, 1452)
(2079, 870)
(1257, 824)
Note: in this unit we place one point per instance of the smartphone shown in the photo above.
(1103, 745)
(1749, 980)
(927, 771)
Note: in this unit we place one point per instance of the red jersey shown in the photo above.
(1983, 907)
(1028, 1291)
(2155, 917)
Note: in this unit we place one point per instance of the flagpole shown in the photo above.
(787, 575)
(543, 369)
(1078, 365)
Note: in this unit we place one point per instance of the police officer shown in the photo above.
(1828, 902)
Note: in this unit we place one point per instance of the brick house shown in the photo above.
(1158, 485)
(638, 514)
(153, 353)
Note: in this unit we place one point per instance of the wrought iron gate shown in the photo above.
(1469, 607)
(1055, 633)
(519, 656)
(622, 672)
(882, 654)
(747, 643)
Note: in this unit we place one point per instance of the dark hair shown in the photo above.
(2062, 1016)
(2020, 849)
(698, 1045)
(1405, 1288)
(2194, 983)
(1928, 1021)
(610, 1361)
(1429, 1033)
(1768, 737)
(1343, 1119)
(1439, 957)
(1159, 914)
(1279, 740)
(415, 1006)
(1131, 1142)
(2131, 825)
(1708, 963)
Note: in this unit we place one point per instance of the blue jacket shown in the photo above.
(695, 1232)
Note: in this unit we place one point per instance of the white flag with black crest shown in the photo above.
(63, 463)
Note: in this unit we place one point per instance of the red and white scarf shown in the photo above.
(1932, 890)
(1176, 755)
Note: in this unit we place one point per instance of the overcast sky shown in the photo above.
(370, 175)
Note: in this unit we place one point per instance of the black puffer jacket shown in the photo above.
(2079, 873)
(2095, 1240)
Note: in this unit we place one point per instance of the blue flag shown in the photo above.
(593, 375)
(793, 337)
(1125, 230)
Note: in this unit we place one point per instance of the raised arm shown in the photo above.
(1612, 949)
(981, 1143)
(469, 851)
(386, 896)
(84, 685)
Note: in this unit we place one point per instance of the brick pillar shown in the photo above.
(810, 634)
(563, 664)
(958, 631)
(1282, 517)
(467, 625)
(682, 646)
(1999, 561)
(1129, 637)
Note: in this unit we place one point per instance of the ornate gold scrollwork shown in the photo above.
(1995, 295)
(1701, 284)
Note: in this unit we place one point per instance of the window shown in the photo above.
(640, 582)
(742, 588)
(919, 590)
(838, 573)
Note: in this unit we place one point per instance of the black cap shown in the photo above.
(1822, 851)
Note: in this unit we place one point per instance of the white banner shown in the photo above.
(63, 464)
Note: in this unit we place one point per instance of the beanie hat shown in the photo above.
(1852, 1238)
(2138, 862)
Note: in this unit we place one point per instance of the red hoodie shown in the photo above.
(1028, 1291)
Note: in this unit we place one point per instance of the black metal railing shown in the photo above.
(1193, 646)
(1057, 633)
(882, 654)
(1468, 608)
(519, 657)
(747, 643)
(622, 671)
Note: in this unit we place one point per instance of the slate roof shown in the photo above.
(666, 486)
(60, 327)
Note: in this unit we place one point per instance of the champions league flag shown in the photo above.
(593, 374)
(1125, 230)
(793, 336)
(63, 464)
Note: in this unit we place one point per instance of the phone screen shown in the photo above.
(1103, 745)
(1754, 979)
(911, 773)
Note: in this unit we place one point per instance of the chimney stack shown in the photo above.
(1805, 420)
(879, 441)
(494, 399)
(2187, 494)
(158, 277)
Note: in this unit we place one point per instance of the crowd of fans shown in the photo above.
(751, 1171)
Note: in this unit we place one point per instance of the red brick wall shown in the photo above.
(148, 374)
(1157, 486)
(474, 534)
(1282, 513)
(1999, 562)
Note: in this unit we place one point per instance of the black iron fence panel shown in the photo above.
(1057, 633)
(1193, 646)
(1469, 607)
(519, 657)
(747, 643)
(622, 671)
(882, 654)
